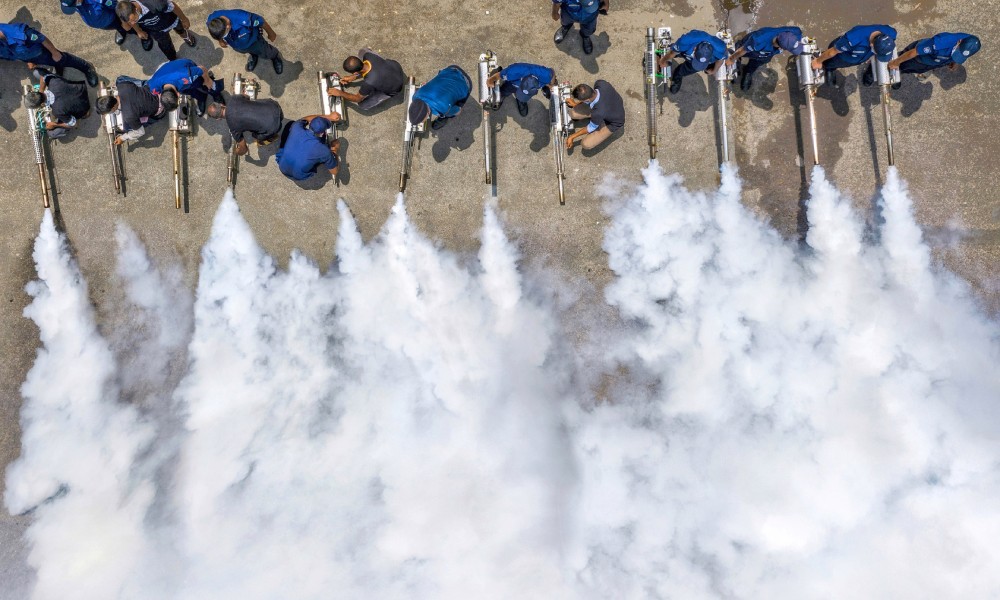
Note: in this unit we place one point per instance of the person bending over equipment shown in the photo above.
(304, 148)
(603, 106)
(441, 97)
(381, 79)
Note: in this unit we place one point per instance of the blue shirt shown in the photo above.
(855, 46)
(689, 41)
(183, 73)
(99, 14)
(759, 45)
(580, 10)
(303, 153)
(442, 93)
(23, 43)
(938, 49)
(244, 28)
(515, 72)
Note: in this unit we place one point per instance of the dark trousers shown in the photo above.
(750, 67)
(914, 65)
(162, 38)
(68, 60)
(683, 71)
(261, 49)
(587, 28)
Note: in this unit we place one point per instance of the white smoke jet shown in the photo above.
(765, 421)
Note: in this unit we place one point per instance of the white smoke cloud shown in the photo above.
(765, 422)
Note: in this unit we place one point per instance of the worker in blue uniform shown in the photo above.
(583, 12)
(22, 43)
(99, 14)
(241, 30)
(523, 81)
(760, 46)
(943, 50)
(702, 51)
(854, 48)
(187, 77)
(441, 97)
(304, 148)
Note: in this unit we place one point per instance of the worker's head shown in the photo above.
(526, 88)
(883, 46)
(218, 27)
(34, 99)
(216, 110)
(789, 42)
(583, 92)
(169, 99)
(966, 48)
(106, 105)
(419, 111)
(126, 12)
(319, 125)
(353, 64)
(702, 56)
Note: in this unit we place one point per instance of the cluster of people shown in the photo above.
(303, 144)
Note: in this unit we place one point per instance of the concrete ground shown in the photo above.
(945, 147)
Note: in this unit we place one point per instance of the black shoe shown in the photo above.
(251, 62)
(897, 85)
(746, 80)
(439, 123)
(832, 79)
(588, 46)
(675, 86)
(119, 38)
(91, 77)
(200, 108)
(522, 108)
(278, 64)
(561, 34)
(868, 78)
(190, 40)
(547, 92)
(147, 44)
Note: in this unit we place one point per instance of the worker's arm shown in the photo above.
(825, 56)
(908, 55)
(271, 35)
(56, 54)
(735, 56)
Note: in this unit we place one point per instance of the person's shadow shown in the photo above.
(277, 83)
(459, 132)
(692, 98)
(537, 121)
(912, 94)
(765, 82)
(838, 95)
(948, 79)
(871, 100)
(573, 46)
(11, 74)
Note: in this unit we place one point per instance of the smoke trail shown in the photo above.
(765, 422)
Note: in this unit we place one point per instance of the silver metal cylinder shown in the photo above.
(803, 66)
(650, 71)
(484, 75)
(883, 75)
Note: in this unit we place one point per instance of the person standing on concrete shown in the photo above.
(603, 106)
(760, 46)
(704, 52)
(943, 50)
(22, 43)
(381, 79)
(67, 101)
(261, 119)
(583, 12)
(187, 77)
(241, 31)
(854, 48)
(138, 106)
(523, 80)
(99, 14)
(153, 20)
(304, 148)
(441, 97)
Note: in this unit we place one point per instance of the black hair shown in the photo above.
(215, 110)
(106, 104)
(169, 99)
(583, 92)
(124, 10)
(217, 28)
(353, 64)
(34, 99)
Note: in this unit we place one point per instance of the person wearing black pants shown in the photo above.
(153, 20)
(23, 43)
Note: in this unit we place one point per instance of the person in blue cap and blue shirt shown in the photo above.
(441, 97)
(855, 47)
(760, 46)
(22, 43)
(942, 50)
(304, 148)
(523, 80)
(703, 52)
(187, 77)
(99, 14)
(241, 31)
(583, 12)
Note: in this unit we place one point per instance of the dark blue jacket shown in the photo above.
(444, 92)
(23, 42)
(99, 14)
(183, 73)
(303, 153)
(937, 50)
(759, 45)
(244, 29)
(580, 11)
(689, 41)
(855, 46)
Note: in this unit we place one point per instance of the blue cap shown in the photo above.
(419, 111)
(702, 56)
(319, 125)
(526, 88)
(966, 48)
(883, 47)
(790, 42)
